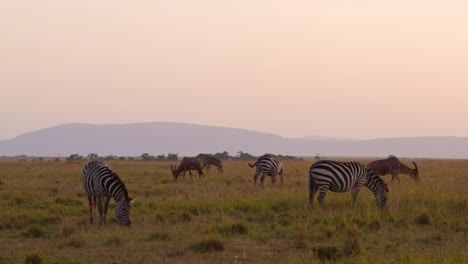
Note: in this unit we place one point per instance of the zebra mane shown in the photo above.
(124, 188)
(374, 178)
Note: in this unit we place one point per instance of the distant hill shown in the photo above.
(189, 139)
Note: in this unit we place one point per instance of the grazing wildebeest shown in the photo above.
(393, 166)
(187, 164)
(267, 165)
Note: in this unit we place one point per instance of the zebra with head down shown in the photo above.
(101, 183)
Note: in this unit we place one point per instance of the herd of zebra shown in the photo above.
(101, 183)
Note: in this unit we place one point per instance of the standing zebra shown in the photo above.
(101, 183)
(267, 165)
(209, 160)
(337, 176)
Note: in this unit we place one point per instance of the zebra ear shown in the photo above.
(131, 199)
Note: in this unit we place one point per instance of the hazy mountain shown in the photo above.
(188, 139)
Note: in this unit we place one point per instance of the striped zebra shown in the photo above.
(337, 176)
(209, 160)
(101, 183)
(267, 165)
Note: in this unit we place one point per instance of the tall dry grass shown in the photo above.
(222, 218)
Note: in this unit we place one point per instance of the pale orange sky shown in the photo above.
(353, 69)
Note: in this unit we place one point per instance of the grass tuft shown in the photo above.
(422, 219)
(326, 253)
(206, 246)
(33, 258)
(159, 236)
(34, 232)
(352, 243)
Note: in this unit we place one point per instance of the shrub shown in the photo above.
(352, 243)
(209, 245)
(33, 258)
(325, 253)
(422, 219)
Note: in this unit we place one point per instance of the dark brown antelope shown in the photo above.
(393, 166)
(187, 164)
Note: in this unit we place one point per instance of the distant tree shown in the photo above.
(172, 157)
(145, 156)
(122, 158)
(223, 156)
(161, 157)
(245, 156)
(110, 157)
(92, 156)
(74, 157)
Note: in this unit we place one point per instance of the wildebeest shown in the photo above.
(187, 164)
(393, 166)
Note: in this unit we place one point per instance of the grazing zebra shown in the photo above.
(101, 183)
(209, 160)
(337, 176)
(267, 165)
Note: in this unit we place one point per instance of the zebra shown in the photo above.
(209, 160)
(337, 176)
(101, 183)
(268, 165)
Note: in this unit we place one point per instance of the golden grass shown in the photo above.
(224, 219)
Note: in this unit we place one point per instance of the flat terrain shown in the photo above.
(222, 218)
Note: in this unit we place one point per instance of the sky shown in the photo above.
(348, 69)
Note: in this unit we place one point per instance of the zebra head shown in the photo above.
(378, 188)
(381, 197)
(122, 210)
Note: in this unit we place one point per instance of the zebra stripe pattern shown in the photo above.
(209, 160)
(267, 165)
(101, 183)
(344, 176)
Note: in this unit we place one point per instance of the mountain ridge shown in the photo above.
(134, 139)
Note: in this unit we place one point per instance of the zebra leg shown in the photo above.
(312, 192)
(255, 178)
(92, 205)
(100, 203)
(106, 207)
(321, 197)
(354, 195)
(395, 176)
(262, 180)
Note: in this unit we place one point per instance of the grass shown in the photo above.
(223, 218)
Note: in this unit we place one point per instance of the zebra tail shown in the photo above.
(253, 165)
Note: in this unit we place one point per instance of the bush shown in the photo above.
(326, 253)
(33, 258)
(208, 246)
(422, 219)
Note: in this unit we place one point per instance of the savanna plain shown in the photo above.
(223, 218)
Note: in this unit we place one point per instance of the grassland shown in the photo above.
(224, 219)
